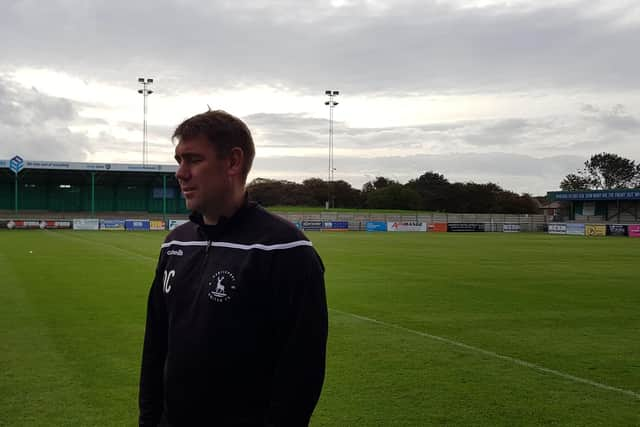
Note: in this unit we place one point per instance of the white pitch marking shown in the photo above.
(496, 355)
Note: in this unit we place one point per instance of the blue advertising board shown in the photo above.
(111, 224)
(335, 225)
(575, 229)
(376, 226)
(137, 224)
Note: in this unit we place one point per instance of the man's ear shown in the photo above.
(236, 161)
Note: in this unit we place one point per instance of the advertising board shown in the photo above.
(462, 227)
(156, 225)
(633, 230)
(575, 229)
(511, 228)
(406, 226)
(335, 226)
(595, 230)
(556, 228)
(137, 224)
(55, 224)
(376, 226)
(86, 224)
(173, 223)
(112, 224)
(312, 225)
(438, 227)
(616, 230)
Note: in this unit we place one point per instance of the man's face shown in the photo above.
(202, 175)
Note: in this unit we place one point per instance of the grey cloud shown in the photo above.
(414, 46)
(36, 125)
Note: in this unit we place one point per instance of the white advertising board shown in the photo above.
(86, 224)
(406, 226)
(173, 223)
(557, 228)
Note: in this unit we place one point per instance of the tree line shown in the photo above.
(429, 192)
(602, 172)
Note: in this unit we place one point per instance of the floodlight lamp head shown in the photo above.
(336, 92)
(149, 92)
(140, 79)
(139, 90)
(149, 80)
(326, 103)
(327, 92)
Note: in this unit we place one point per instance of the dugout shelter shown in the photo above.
(89, 188)
(620, 205)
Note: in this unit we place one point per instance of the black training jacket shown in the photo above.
(236, 325)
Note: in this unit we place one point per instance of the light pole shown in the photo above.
(145, 92)
(331, 103)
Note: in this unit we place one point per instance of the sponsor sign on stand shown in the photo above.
(376, 226)
(406, 226)
(595, 230)
(137, 224)
(156, 225)
(511, 228)
(438, 227)
(173, 223)
(634, 230)
(575, 229)
(555, 228)
(457, 227)
(86, 224)
(312, 225)
(335, 226)
(112, 224)
(616, 230)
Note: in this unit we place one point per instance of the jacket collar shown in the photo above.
(223, 221)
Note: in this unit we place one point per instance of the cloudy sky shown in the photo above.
(517, 92)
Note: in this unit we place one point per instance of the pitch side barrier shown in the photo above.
(595, 230)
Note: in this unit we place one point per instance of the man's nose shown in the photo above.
(182, 174)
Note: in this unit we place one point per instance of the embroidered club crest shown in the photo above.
(222, 286)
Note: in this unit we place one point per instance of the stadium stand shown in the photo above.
(68, 189)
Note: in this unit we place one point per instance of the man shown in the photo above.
(236, 319)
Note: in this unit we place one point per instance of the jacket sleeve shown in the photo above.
(154, 353)
(300, 366)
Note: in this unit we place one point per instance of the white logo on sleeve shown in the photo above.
(168, 275)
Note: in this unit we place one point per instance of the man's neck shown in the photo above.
(230, 208)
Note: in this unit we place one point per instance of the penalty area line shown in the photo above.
(474, 349)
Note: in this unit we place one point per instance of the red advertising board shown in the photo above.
(634, 230)
(438, 227)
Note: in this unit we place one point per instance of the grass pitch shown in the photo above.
(425, 329)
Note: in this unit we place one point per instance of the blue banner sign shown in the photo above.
(376, 226)
(595, 195)
(137, 224)
(112, 224)
(575, 229)
(336, 225)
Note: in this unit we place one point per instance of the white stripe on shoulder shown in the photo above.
(261, 246)
(179, 243)
(277, 246)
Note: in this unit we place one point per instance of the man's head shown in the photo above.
(214, 152)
